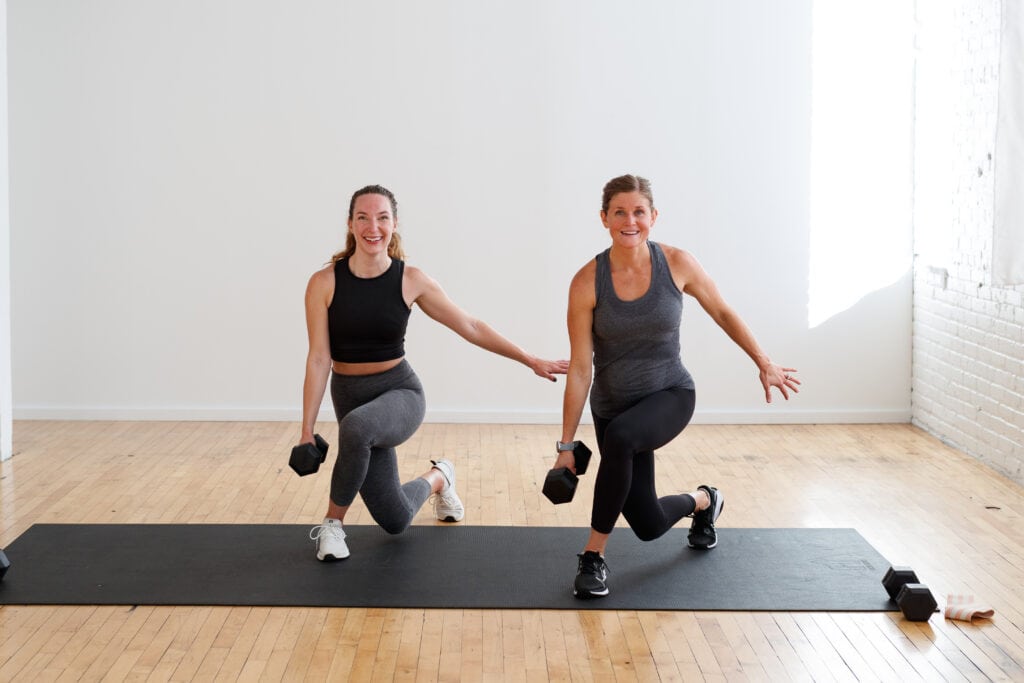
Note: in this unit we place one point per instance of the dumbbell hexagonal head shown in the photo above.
(916, 602)
(306, 457)
(321, 446)
(895, 578)
(560, 485)
(582, 455)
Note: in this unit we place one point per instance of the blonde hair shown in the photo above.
(394, 246)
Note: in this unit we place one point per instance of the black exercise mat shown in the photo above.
(473, 567)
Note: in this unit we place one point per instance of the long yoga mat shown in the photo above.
(460, 566)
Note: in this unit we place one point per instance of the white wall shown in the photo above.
(179, 169)
(6, 398)
(968, 373)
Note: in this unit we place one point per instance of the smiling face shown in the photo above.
(629, 218)
(372, 223)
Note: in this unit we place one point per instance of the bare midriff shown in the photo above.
(364, 368)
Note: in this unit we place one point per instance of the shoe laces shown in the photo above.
(445, 500)
(333, 532)
(703, 516)
(447, 497)
(704, 520)
(590, 564)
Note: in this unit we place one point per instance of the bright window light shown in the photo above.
(861, 151)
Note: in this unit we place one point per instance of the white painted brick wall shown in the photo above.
(968, 339)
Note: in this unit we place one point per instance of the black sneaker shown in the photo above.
(702, 534)
(591, 577)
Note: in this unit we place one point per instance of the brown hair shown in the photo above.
(395, 245)
(626, 183)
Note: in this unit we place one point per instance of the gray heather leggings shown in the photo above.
(375, 414)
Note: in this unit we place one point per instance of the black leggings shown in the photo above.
(625, 479)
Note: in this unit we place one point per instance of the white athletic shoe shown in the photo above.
(330, 540)
(447, 506)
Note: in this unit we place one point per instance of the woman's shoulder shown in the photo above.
(321, 286)
(416, 283)
(587, 272)
(583, 281)
(684, 266)
(323, 278)
(676, 256)
(415, 275)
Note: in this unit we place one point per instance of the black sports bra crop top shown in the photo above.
(367, 317)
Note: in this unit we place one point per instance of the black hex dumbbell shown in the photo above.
(916, 602)
(560, 483)
(914, 599)
(895, 578)
(306, 457)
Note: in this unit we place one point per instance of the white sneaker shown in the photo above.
(330, 540)
(447, 506)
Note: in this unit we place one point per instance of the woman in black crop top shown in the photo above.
(624, 318)
(357, 309)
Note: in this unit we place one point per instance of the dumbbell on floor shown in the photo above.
(914, 599)
(306, 457)
(560, 483)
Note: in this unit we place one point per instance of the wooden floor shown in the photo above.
(960, 525)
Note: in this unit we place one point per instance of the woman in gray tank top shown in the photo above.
(625, 308)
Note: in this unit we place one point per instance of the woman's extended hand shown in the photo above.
(782, 378)
(549, 368)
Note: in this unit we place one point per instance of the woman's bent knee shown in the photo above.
(394, 528)
(645, 533)
(394, 522)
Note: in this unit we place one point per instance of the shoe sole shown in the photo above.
(331, 558)
(587, 595)
(451, 518)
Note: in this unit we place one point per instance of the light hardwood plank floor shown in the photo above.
(917, 501)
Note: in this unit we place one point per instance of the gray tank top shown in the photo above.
(636, 343)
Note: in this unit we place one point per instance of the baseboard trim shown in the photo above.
(767, 416)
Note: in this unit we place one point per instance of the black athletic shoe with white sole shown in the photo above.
(592, 576)
(702, 534)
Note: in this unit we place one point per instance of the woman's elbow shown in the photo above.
(580, 375)
(472, 330)
(318, 361)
